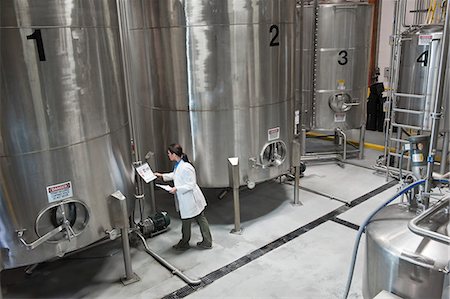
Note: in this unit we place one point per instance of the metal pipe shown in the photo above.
(233, 172)
(444, 154)
(124, 37)
(150, 158)
(299, 63)
(392, 171)
(314, 59)
(415, 228)
(322, 157)
(436, 115)
(166, 264)
(395, 55)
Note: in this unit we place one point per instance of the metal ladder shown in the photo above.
(397, 139)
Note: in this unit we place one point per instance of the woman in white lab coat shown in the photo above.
(191, 201)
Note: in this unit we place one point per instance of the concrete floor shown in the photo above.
(285, 251)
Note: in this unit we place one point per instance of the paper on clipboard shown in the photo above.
(165, 187)
(146, 172)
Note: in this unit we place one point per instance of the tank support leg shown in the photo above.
(296, 161)
(233, 171)
(130, 276)
(344, 137)
(362, 138)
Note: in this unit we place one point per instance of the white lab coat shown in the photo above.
(191, 200)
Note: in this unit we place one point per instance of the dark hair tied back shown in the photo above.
(176, 149)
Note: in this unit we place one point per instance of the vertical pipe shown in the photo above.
(444, 156)
(437, 111)
(150, 158)
(394, 65)
(233, 172)
(124, 38)
(314, 60)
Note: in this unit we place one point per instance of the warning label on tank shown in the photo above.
(425, 40)
(273, 134)
(59, 191)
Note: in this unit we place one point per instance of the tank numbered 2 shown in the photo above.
(343, 60)
(36, 35)
(274, 41)
(423, 58)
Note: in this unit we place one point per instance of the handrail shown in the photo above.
(415, 228)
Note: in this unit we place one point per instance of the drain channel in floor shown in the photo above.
(219, 273)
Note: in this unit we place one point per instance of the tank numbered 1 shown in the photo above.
(343, 60)
(275, 30)
(36, 35)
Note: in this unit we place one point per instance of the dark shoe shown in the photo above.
(181, 246)
(204, 245)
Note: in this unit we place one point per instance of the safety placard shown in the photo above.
(273, 134)
(59, 191)
(425, 40)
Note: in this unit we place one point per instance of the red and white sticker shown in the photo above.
(273, 134)
(59, 191)
(425, 40)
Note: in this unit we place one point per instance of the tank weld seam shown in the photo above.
(57, 27)
(217, 110)
(211, 25)
(65, 146)
(338, 49)
(219, 273)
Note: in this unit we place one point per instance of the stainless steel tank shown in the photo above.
(335, 64)
(402, 262)
(64, 136)
(418, 75)
(217, 77)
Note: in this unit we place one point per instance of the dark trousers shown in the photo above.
(204, 229)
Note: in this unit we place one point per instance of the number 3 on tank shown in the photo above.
(39, 44)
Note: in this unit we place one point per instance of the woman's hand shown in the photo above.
(173, 190)
(159, 175)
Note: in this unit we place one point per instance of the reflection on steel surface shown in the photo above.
(215, 76)
(62, 118)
